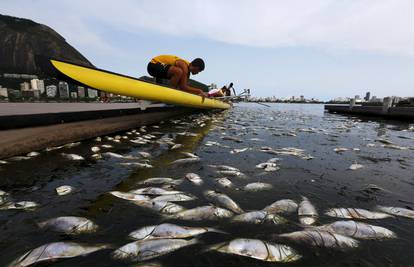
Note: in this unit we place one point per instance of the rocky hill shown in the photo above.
(22, 40)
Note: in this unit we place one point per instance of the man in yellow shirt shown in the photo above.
(177, 70)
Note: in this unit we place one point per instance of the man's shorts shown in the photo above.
(158, 70)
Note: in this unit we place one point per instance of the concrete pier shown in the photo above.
(25, 130)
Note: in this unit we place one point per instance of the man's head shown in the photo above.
(196, 66)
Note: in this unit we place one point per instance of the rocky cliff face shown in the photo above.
(21, 40)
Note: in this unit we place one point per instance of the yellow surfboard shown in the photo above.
(128, 86)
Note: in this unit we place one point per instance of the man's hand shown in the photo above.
(202, 94)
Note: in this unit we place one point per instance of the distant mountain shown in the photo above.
(22, 40)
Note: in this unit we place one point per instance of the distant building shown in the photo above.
(357, 97)
(367, 96)
(92, 93)
(3, 92)
(63, 90)
(37, 84)
(25, 86)
(81, 92)
(51, 91)
(73, 95)
(302, 98)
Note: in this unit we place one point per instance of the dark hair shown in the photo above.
(198, 62)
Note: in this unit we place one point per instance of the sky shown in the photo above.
(320, 49)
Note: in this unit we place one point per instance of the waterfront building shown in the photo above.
(81, 92)
(25, 86)
(92, 93)
(51, 91)
(37, 84)
(73, 95)
(63, 90)
(367, 96)
(302, 98)
(3, 92)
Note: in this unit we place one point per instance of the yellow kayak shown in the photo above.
(128, 86)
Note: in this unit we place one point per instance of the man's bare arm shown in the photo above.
(183, 84)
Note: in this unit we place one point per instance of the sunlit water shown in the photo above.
(325, 180)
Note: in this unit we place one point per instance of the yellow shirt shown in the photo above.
(168, 60)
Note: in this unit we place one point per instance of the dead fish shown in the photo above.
(53, 148)
(259, 217)
(54, 251)
(356, 166)
(403, 212)
(70, 145)
(154, 191)
(204, 213)
(21, 205)
(144, 154)
(194, 178)
(176, 146)
(19, 158)
(224, 168)
(98, 139)
(129, 196)
(64, 190)
(224, 182)
(232, 173)
(69, 225)
(236, 150)
(149, 249)
(33, 154)
(168, 230)
(72, 156)
(185, 161)
(307, 212)
(95, 149)
(160, 206)
(107, 146)
(96, 156)
(258, 249)
(320, 238)
(223, 200)
(118, 156)
(352, 213)
(190, 155)
(137, 165)
(397, 147)
(282, 206)
(162, 180)
(175, 198)
(340, 149)
(258, 186)
(231, 138)
(358, 230)
(384, 141)
(2, 162)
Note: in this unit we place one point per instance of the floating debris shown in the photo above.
(54, 251)
(168, 230)
(194, 178)
(223, 200)
(64, 190)
(403, 212)
(307, 212)
(258, 249)
(320, 238)
(69, 225)
(150, 249)
(352, 213)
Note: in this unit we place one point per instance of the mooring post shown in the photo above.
(386, 104)
(351, 103)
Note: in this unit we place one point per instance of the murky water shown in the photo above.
(325, 180)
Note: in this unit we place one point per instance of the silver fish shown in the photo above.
(168, 230)
(194, 178)
(54, 251)
(356, 166)
(144, 154)
(107, 146)
(95, 149)
(21, 205)
(190, 155)
(176, 146)
(18, 158)
(224, 168)
(137, 165)
(33, 154)
(223, 200)
(397, 211)
(340, 149)
(358, 230)
(154, 191)
(236, 150)
(320, 238)
(253, 187)
(162, 180)
(129, 196)
(259, 217)
(69, 225)
(282, 206)
(224, 182)
(3, 162)
(204, 213)
(72, 156)
(231, 138)
(160, 206)
(149, 249)
(258, 249)
(175, 198)
(352, 213)
(232, 173)
(64, 190)
(185, 161)
(307, 212)
(70, 145)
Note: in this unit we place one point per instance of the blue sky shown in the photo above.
(320, 48)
